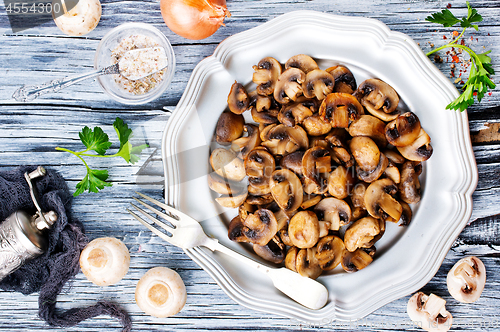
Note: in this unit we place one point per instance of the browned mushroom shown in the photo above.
(379, 98)
(409, 188)
(232, 201)
(281, 139)
(310, 201)
(344, 79)
(265, 117)
(403, 130)
(289, 85)
(335, 211)
(291, 258)
(301, 61)
(340, 182)
(273, 251)
(235, 230)
(340, 109)
(394, 156)
(356, 260)
(318, 83)
(363, 233)
(266, 74)
(368, 125)
(286, 189)
(379, 200)
(392, 172)
(223, 186)
(307, 264)
(303, 229)
(260, 227)
(229, 127)
(293, 114)
(358, 195)
(246, 144)
(316, 126)
(329, 252)
(406, 215)
(259, 165)
(238, 100)
(370, 162)
(316, 166)
(226, 164)
(337, 143)
(259, 102)
(293, 162)
(419, 150)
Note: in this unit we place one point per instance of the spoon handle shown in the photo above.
(30, 92)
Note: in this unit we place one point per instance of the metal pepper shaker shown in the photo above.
(22, 236)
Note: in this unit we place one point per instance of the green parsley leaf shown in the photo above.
(122, 130)
(96, 140)
(93, 181)
(472, 17)
(127, 151)
(445, 17)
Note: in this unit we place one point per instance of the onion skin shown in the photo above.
(194, 19)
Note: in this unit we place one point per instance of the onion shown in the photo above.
(194, 19)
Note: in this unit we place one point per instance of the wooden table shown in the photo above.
(30, 132)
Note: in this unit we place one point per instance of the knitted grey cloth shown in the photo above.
(48, 273)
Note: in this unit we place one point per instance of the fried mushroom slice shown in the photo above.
(238, 100)
(291, 258)
(335, 211)
(406, 215)
(466, 279)
(379, 98)
(379, 200)
(316, 165)
(370, 126)
(340, 152)
(409, 187)
(403, 130)
(329, 252)
(394, 156)
(340, 109)
(222, 186)
(281, 140)
(289, 85)
(229, 127)
(273, 251)
(356, 260)
(293, 114)
(226, 164)
(419, 150)
(293, 162)
(370, 162)
(246, 144)
(307, 265)
(393, 173)
(363, 233)
(265, 117)
(318, 83)
(429, 312)
(259, 102)
(303, 229)
(358, 194)
(344, 79)
(235, 230)
(301, 61)
(260, 227)
(340, 182)
(286, 189)
(232, 201)
(259, 165)
(267, 72)
(316, 126)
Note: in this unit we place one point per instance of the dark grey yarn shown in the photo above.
(48, 273)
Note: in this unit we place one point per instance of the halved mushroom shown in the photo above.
(329, 252)
(229, 127)
(419, 150)
(235, 230)
(307, 265)
(379, 98)
(340, 182)
(267, 72)
(273, 251)
(394, 156)
(370, 162)
(260, 227)
(286, 189)
(368, 125)
(409, 187)
(344, 79)
(293, 114)
(291, 258)
(429, 312)
(316, 165)
(281, 139)
(226, 164)
(334, 210)
(259, 102)
(238, 100)
(340, 153)
(222, 186)
(318, 83)
(289, 85)
(403, 130)
(232, 201)
(246, 144)
(259, 165)
(340, 109)
(293, 162)
(316, 126)
(363, 233)
(356, 260)
(301, 61)
(265, 117)
(303, 229)
(379, 200)
(466, 279)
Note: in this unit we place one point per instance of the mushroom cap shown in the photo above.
(226, 164)
(355, 260)
(259, 165)
(429, 312)
(379, 201)
(105, 261)
(368, 125)
(334, 210)
(409, 187)
(260, 227)
(403, 130)
(81, 19)
(301, 61)
(259, 102)
(358, 194)
(419, 150)
(394, 156)
(340, 109)
(289, 85)
(329, 252)
(316, 165)
(266, 74)
(294, 113)
(363, 233)
(466, 280)
(265, 117)
(235, 230)
(291, 258)
(318, 83)
(392, 172)
(246, 144)
(365, 152)
(281, 139)
(407, 214)
(340, 182)
(273, 251)
(379, 98)
(293, 162)
(344, 79)
(238, 100)
(286, 189)
(160, 292)
(229, 127)
(316, 126)
(303, 229)
(337, 143)
(307, 265)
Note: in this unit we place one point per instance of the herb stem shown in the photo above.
(76, 154)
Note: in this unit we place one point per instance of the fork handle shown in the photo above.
(304, 290)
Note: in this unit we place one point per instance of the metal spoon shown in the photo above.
(128, 66)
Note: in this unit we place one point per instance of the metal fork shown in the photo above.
(186, 232)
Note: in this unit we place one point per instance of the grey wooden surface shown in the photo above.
(30, 132)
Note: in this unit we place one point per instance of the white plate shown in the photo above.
(407, 258)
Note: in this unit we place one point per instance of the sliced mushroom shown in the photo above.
(260, 227)
(267, 72)
(265, 117)
(358, 194)
(222, 186)
(370, 162)
(358, 213)
(260, 200)
(232, 201)
(286, 189)
(259, 102)
(229, 127)
(329, 252)
(289, 85)
(406, 215)
(281, 139)
(291, 258)
(340, 109)
(363, 233)
(245, 209)
(265, 129)
(429, 312)
(379, 200)
(235, 230)
(340, 152)
(466, 279)
(409, 187)
(394, 156)
(419, 150)
(293, 162)
(310, 201)
(340, 182)
(356, 260)
(273, 251)
(316, 126)
(307, 264)
(254, 191)
(246, 144)
(316, 165)
(238, 100)
(344, 79)
(293, 114)
(318, 83)
(368, 125)
(379, 98)
(334, 210)
(301, 61)
(403, 130)
(303, 229)
(259, 165)
(226, 164)
(392, 172)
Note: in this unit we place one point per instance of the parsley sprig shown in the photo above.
(479, 80)
(98, 141)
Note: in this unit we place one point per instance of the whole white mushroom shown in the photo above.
(161, 292)
(80, 20)
(105, 261)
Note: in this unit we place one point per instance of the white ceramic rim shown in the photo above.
(397, 285)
